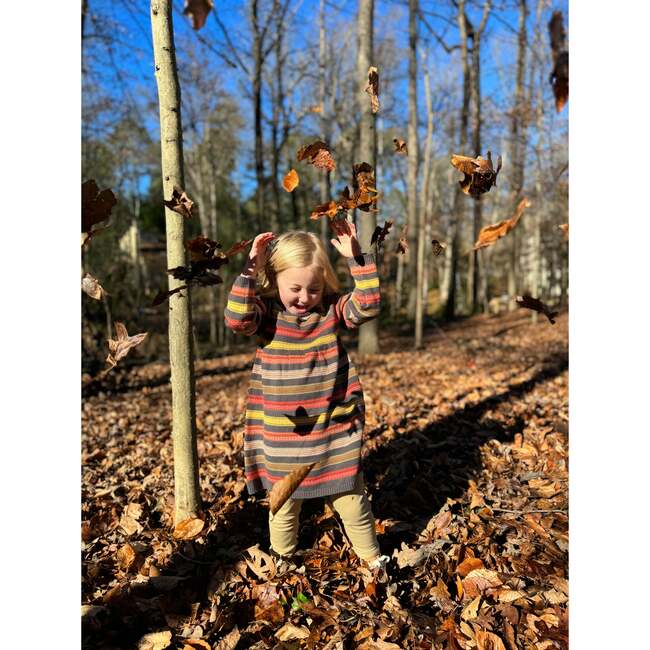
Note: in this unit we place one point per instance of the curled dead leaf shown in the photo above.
(121, 346)
(91, 286)
(479, 173)
(284, 488)
(490, 234)
(400, 146)
(198, 11)
(155, 641)
(528, 302)
(180, 202)
(291, 181)
(317, 154)
(96, 207)
(381, 232)
(372, 88)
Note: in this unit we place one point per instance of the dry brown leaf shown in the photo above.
(510, 595)
(129, 520)
(479, 581)
(403, 243)
(330, 210)
(318, 155)
(230, 641)
(372, 88)
(198, 11)
(180, 202)
(479, 173)
(190, 644)
(121, 346)
(437, 247)
(126, 556)
(238, 247)
(364, 193)
(400, 146)
(202, 248)
(289, 632)
(528, 302)
(96, 206)
(262, 564)
(91, 286)
(291, 181)
(189, 528)
(467, 565)
(554, 597)
(284, 488)
(267, 605)
(381, 232)
(488, 641)
(155, 641)
(471, 611)
(490, 234)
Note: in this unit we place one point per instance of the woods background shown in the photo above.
(262, 79)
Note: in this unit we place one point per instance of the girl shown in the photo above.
(305, 402)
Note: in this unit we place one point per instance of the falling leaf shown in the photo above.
(96, 207)
(490, 234)
(438, 247)
(284, 488)
(381, 233)
(564, 227)
(400, 146)
(121, 346)
(180, 202)
(155, 641)
(189, 528)
(315, 108)
(289, 632)
(403, 244)
(488, 641)
(330, 210)
(198, 11)
(535, 304)
(163, 295)
(91, 286)
(373, 88)
(238, 247)
(560, 75)
(318, 155)
(291, 181)
(202, 248)
(363, 184)
(479, 174)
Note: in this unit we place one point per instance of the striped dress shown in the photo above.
(305, 402)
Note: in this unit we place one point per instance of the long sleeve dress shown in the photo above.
(305, 402)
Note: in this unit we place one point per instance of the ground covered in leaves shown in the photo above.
(465, 460)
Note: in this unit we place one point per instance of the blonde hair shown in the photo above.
(295, 248)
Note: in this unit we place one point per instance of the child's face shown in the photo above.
(300, 288)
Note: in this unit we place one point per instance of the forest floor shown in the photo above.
(466, 464)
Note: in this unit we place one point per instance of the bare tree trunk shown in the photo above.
(257, 110)
(368, 339)
(517, 144)
(457, 210)
(187, 494)
(473, 267)
(325, 180)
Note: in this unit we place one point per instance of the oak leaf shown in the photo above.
(318, 155)
(284, 488)
(198, 11)
(121, 346)
(479, 173)
(528, 302)
(381, 232)
(490, 234)
(189, 528)
(291, 180)
(180, 202)
(91, 286)
(400, 146)
(372, 88)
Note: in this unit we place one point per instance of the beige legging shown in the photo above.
(353, 508)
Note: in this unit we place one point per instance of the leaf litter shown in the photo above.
(467, 470)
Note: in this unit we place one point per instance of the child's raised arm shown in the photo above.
(363, 303)
(244, 310)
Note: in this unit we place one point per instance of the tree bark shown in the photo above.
(257, 111)
(368, 338)
(187, 493)
(325, 179)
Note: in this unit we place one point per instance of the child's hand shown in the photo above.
(257, 255)
(346, 242)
